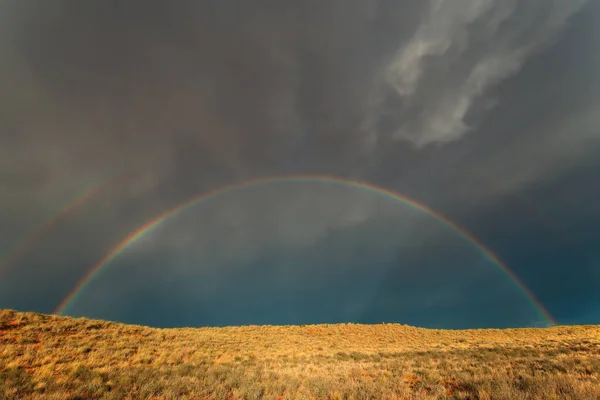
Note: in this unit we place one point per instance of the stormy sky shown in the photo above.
(486, 111)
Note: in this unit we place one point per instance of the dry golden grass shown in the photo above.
(52, 357)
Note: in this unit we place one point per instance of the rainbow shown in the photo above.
(50, 224)
(144, 229)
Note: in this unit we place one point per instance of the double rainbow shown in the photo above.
(144, 229)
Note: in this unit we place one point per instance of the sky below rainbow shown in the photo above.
(485, 112)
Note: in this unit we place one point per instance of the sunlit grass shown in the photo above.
(45, 356)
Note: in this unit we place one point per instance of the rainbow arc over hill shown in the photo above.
(133, 237)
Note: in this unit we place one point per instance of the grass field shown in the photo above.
(52, 357)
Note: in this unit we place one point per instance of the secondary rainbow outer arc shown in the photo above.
(136, 235)
(50, 224)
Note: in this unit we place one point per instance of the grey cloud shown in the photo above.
(180, 98)
(557, 144)
(458, 53)
(191, 96)
(243, 222)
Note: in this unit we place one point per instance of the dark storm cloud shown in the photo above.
(181, 92)
(129, 81)
(249, 89)
(450, 102)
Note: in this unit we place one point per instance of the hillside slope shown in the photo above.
(48, 356)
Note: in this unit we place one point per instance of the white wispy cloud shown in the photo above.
(461, 49)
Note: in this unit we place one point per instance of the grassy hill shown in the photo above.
(52, 357)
